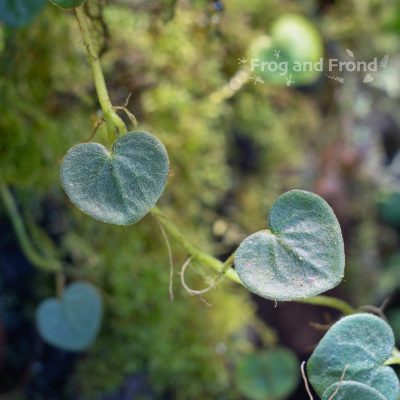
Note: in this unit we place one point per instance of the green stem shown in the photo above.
(230, 273)
(332, 302)
(110, 116)
(201, 256)
(49, 265)
(395, 360)
(396, 352)
(60, 283)
(229, 262)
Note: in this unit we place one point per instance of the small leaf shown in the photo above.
(18, 13)
(267, 375)
(350, 390)
(118, 187)
(362, 343)
(68, 3)
(350, 53)
(72, 323)
(368, 78)
(301, 256)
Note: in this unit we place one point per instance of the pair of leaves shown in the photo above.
(18, 13)
(359, 345)
(267, 375)
(119, 187)
(73, 322)
(302, 253)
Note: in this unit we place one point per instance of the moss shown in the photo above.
(47, 105)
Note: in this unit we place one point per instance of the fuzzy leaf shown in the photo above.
(350, 390)
(363, 342)
(301, 256)
(72, 323)
(118, 187)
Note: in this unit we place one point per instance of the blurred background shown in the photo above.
(237, 139)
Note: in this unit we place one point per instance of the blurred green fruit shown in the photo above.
(293, 41)
(267, 375)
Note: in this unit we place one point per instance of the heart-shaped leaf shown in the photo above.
(362, 343)
(119, 187)
(350, 390)
(72, 323)
(301, 256)
(17, 13)
(68, 3)
(267, 375)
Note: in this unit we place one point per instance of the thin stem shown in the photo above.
(231, 88)
(60, 284)
(110, 116)
(171, 261)
(194, 292)
(193, 250)
(229, 262)
(338, 387)
(395, 359)
(45, 264)
(332, 302)
(392, 361)
(305, 380)
(374, 310)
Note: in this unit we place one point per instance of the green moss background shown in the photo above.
(229, 161)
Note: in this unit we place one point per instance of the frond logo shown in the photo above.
(279, 68)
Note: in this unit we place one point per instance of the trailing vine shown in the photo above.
(297, 257)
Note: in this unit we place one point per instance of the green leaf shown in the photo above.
(292, 41)
(362, 342)
(72, 323)
(118, 187)
(301, 256)
(68, 3)
(17, 13)
(350, 390)
(267, 375)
